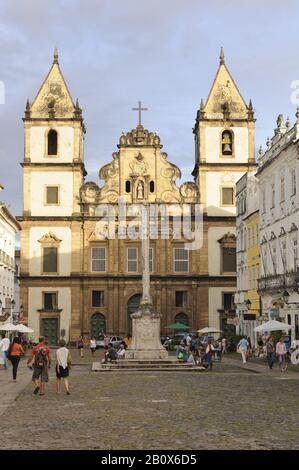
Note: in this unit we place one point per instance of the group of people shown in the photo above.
(195, 351)
(120, 352)
(39, 361)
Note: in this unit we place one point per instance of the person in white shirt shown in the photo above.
(121, 352)
(5, 347)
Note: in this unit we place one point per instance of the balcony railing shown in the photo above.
(279, 282)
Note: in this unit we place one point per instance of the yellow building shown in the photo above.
(253, 262)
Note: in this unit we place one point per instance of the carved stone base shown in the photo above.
(146, 344)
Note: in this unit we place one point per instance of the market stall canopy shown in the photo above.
(273, 325)
(8, 327)
(208, 330)
(23, 329)
(178, 326)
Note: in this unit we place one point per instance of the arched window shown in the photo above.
(227, 143)
(128, 186)
(152, 186)
(52, 142)
(182, 318)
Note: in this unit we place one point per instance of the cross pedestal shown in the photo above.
(146, 343)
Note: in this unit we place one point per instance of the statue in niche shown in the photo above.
(140, 190)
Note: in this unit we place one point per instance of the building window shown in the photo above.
(181, 298)
(228, 300)
(274, 258)
(295, 253)
(50, 259)
(227, 197)
(97, 298)
(152, 186)
(128, 186)
(52, 195)
(50, 301)
(284, 255)
(98, 259)
(272, 196)
(52, 142)
(229, 260)
(264, 201)
(282, 189)
(227, 143)
(293, 176)
(151, 260)
(132, 260)
(181, 260)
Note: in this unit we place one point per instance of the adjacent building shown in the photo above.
(278, 176)
(8, 229)
(247, 299)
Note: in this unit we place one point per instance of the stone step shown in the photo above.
(98, 367)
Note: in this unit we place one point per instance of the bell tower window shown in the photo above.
(227, 143)
(52, 142)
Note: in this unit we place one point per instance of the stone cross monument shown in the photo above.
(146, 344)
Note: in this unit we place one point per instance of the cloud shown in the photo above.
(165, 53)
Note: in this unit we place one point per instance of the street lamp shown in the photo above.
(248, 304)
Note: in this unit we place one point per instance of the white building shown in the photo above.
(8, 229)
(278, 175)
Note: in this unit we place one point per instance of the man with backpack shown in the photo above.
(41, 363)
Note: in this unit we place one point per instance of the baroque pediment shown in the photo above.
(49, 238)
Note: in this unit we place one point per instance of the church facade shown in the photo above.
(76, 281)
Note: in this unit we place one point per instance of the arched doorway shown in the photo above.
(132, 306)
(182, 318)
(97, 325)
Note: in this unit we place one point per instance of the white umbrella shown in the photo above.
(209, 330)
(23, 329)
(273, 325)
(8, 327)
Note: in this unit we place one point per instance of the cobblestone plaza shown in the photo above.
(228, 408)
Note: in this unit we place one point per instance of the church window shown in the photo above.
(227, 143)
(132, 260)
(50, 301)
(152, 186)
(181, 298)
(227, 196)
(52, 142)
(229, 260)
(98, 259)
(128, 186)
(97, 298)
(50, 258)
(52, 194)
(181, 260)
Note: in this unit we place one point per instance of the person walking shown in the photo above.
(281, 351)
(270, 350)
(42, 363)
(64, 361)
(14, 353)
(80, 346)
(243, 348)
(210, 351)
(224, 345)
(4, 345)
(93, 346)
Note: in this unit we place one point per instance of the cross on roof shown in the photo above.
(139, 109)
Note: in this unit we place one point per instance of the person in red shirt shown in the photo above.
(41, 364)
(15, 352)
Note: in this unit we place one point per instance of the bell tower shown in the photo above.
(224, 143)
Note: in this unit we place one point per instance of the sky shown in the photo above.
(165, 53)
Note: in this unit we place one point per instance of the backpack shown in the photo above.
(41, 358)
